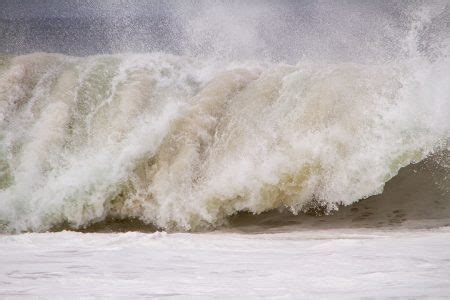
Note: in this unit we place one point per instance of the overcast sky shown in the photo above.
(20, 9)
(279, 29)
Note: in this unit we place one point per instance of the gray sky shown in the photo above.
(280, 30)
(19, 9)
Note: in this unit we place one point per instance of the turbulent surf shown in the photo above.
(185, 143)
(301, 145)
(193, 117)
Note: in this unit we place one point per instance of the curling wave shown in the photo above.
(183, 143)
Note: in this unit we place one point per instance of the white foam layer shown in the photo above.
(334, 264)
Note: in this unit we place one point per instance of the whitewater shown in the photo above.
(231, 168)
(183, 144)
(269, 154)
(343, 264)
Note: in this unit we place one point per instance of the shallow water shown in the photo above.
(313, 264)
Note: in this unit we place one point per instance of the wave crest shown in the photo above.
(183, 143)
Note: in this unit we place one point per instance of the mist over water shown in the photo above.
(272, 30)
(184, 114)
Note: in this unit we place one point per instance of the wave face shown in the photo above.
(184, 143)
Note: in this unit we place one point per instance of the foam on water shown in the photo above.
(184, 143)
(311, 264)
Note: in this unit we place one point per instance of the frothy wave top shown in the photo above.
(184, 143)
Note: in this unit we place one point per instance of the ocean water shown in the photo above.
(184, 144)
(198, 156)
(344, 264)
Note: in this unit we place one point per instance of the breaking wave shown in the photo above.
(184, 143)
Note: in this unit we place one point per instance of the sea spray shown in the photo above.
(183, 143)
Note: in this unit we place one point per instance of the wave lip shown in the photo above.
(183, 143)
